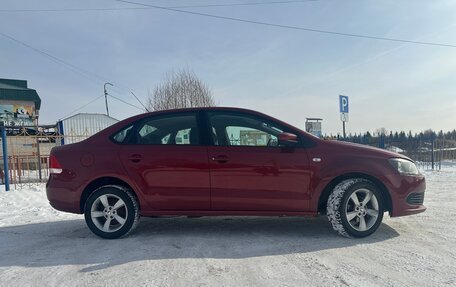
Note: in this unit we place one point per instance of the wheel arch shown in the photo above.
(335, 181)
(101, 181)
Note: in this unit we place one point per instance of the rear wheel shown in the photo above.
(355, 208)
(111, 211)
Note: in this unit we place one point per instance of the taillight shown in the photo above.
(54, 165)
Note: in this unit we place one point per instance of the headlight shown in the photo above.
(404, 166)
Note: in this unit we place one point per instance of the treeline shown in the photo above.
(400, 137)
(416, 145)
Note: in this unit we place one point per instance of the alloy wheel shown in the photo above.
(109, 213)
(362, 209)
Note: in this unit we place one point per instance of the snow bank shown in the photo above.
(27, 204)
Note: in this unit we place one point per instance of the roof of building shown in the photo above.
(17, 90)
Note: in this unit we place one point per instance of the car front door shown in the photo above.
(250, 169)
(162, 154)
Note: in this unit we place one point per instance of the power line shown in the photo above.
(244, 4)
(289, 26)
(149, 8)
(80, 108)
(377, 56)
(87, 74)
(94, 100)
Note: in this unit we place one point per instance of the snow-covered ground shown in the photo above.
(43, 247)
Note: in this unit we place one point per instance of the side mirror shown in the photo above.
(288, 139)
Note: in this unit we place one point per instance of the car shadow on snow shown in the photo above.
(70, 242)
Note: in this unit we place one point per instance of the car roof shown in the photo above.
(206, 109)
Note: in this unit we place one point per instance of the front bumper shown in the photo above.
(404, 192)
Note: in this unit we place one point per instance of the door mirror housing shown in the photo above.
(287, 139)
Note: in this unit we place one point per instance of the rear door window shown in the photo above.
(176, 129)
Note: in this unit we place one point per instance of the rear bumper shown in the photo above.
(62, 198)
(404, 190)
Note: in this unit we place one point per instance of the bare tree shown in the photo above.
(180, 89)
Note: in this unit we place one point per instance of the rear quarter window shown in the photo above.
(120, 136)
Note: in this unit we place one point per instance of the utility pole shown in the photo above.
(106, 97)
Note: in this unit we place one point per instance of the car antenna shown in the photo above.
(140, 102)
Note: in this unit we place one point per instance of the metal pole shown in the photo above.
(432, 149)
(106, 96)
(38, 154)
(442, 152)
(343, 125)
(5, 159)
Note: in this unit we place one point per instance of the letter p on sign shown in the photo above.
(343, 104)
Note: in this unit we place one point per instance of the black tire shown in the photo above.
(355, 208)
(111, 211)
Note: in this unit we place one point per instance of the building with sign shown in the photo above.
(19, 105)
(254, 138)
(313, 126)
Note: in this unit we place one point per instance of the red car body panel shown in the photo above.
(224, 180)
(341, 158)
(169, 178)
(266, 179)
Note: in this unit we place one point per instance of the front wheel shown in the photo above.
(355, 208)
(111, 211)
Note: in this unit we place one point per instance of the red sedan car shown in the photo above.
(227, 161)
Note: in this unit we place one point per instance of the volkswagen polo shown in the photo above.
(230, 162)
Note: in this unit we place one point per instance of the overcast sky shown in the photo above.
(287, 73)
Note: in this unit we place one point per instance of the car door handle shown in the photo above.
(220, 158)
(135, 158)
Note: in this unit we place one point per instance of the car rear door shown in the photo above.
(250, 170)
(163, 156)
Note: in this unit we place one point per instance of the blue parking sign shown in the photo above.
(343, 104)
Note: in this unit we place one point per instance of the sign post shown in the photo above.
(343, 107)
